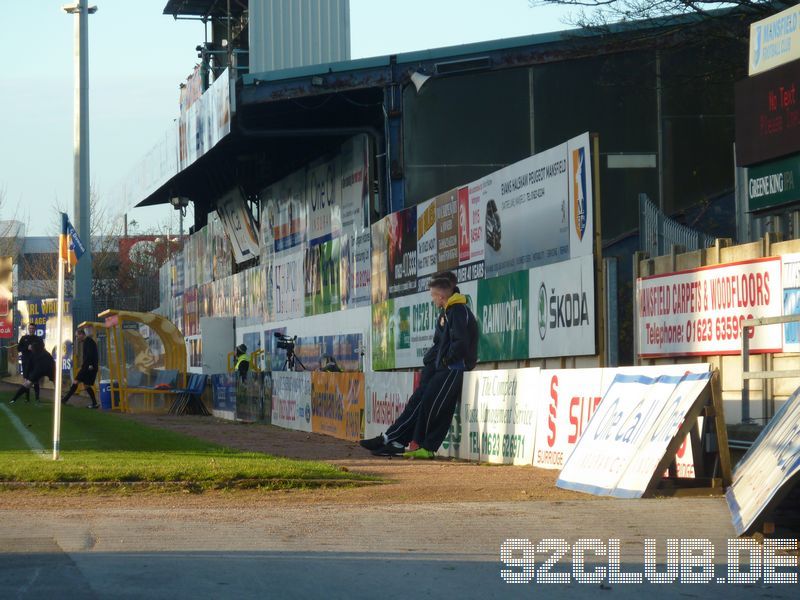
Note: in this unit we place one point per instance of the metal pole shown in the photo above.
(745, 369)
(82, 287)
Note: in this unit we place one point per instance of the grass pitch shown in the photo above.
(100, 449)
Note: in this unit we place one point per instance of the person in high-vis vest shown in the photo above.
(242, 361)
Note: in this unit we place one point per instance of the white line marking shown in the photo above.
(29, 438)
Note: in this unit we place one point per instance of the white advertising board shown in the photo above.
(770, 466)
(239, 225)
(496, 422)
(628, 435)
(527, 207)
(288, 290)
(700, 311)
(774, 41)
(291, 400)
(562, 298)
(790, 270)
(387, 396)
(567, 399)
(323, 200)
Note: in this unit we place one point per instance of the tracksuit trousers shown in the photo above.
(429, 412)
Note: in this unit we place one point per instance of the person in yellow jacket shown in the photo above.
(242, 364)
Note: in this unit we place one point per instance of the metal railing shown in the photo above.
(747, 375)
(658, 233)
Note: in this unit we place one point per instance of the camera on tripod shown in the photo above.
(285, 342)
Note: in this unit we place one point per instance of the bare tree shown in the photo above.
(602, 13)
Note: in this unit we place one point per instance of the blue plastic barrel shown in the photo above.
(105, 394)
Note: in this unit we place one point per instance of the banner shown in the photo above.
(287, 295)
(387, 396)
(447, 230)
(344, 349)
(43, 313)
(563, 318)
(290, 214)
(191, 314)
(503, 316)
(769, 467)
(527, 213)
(379, 243)
(337, 404)
(626, 439)
(790, 271)
(700, 311)
(238, 222)
(402, 328)
(427, 249)
(223, 386)
(322, 202)
(774, 41)
(291, 400)
(496, 421)
(402, 252)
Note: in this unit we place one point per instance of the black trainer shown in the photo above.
(389, 450)
(372, 443)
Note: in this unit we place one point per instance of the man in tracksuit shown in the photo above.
(88, 372)
(426, 419)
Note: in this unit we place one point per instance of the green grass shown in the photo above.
(101, 448)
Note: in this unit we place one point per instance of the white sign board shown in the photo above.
(387, 396)
(791, 300)
(771, 464)
(700, 311)
(291, 400)
(497, 417)
(567, 399)
(629, 433)
(239, 225)
(774, 41)
(288, 286)
(562, 320)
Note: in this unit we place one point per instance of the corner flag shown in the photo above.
(70, 246)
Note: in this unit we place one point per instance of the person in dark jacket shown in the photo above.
(42, 365)
(426, 419)
(25, 347)
(88, 371)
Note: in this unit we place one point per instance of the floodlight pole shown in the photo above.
(82, 286)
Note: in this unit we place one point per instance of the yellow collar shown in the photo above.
(455, 299)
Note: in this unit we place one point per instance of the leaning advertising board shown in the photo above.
(567, 399)
(402, 252)
(387, 396)
(624, 448)
(563, 318)
(447, 230)
(769, 468)
(700, 311)
(291, 400)
(496, 421)
(337, 404)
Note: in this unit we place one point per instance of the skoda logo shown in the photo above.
(542, 310)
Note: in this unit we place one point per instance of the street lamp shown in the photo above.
(180, 203)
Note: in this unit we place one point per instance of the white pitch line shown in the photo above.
(29, 438)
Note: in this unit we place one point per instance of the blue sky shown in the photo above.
(138, 57)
